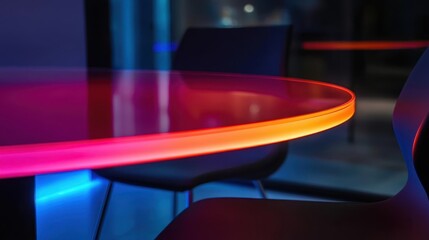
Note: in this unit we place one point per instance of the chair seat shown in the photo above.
(185, 174)
(229, 218)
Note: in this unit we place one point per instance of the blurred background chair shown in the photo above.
(404, 216)
(249, 50)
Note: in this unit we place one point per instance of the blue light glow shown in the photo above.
(164, 47)
(123, 33)
(56, 185)
(68, 191)
(162, 32)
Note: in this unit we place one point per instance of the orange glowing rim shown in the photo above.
(363, 45)
(29, 160)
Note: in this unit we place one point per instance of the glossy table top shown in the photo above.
(65, 119)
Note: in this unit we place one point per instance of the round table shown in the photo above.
(61, 120)
(57, 120)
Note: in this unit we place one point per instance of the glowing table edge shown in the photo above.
(34, 159)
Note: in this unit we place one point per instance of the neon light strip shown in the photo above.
(162, 32)
(363, 45)
(27, 160)
(123, 33)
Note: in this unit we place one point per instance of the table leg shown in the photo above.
(356, 77)
(17, 209)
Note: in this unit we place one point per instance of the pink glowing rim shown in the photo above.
(29, 160)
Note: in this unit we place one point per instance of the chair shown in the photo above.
(404, 216)
(249, 50)
(255, 50)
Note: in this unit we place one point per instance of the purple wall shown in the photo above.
(42, 33)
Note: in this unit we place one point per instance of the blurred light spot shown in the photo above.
(226, 21)
(254, 109)
(164, 47)
(248, 8)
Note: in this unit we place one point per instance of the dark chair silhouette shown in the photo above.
(251, 50)
(404, 216)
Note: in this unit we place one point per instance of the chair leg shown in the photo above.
(190, 197)
(260, 188)
(174, 204)
(104, 206)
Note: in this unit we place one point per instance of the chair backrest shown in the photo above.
(250, 50)
(410, 112)
(421, 154)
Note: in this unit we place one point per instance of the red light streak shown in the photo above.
(363, 45)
